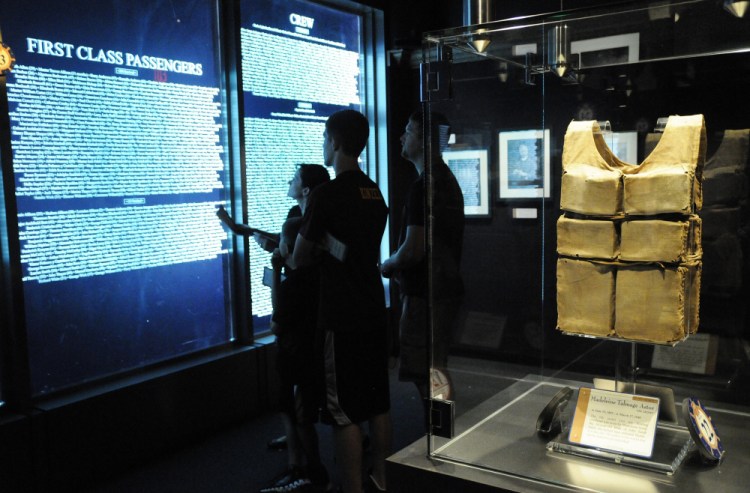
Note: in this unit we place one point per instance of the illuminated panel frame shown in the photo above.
(295, 22)
(95, 327)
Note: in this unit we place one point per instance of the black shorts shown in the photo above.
(356, 376)
(295, 357)
(299, 386)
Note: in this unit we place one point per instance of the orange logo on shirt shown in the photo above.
(370, 194)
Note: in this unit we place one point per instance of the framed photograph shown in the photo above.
(471, 169)
(624, 145)
(608, 50)
(524, 164)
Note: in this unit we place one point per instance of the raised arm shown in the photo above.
(267, 241)
(226, 219)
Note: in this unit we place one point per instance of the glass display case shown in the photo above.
(602, 340)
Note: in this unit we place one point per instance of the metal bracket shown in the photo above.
(435, 77)
(569, 76)
(531, 71)
(442, 417)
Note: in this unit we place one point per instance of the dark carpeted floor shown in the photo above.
(237, 460)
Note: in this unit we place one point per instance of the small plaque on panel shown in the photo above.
(525, 213)
(694, 355)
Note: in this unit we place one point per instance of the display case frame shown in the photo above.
(524, 73)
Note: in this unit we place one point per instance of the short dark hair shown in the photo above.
(441, 128)
(351, 129)
(313, 175)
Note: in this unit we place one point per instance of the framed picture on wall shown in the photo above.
(524, 164)
(471, 169)
(624, 145)
(607, 50)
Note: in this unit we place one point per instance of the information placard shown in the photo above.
(615, 421)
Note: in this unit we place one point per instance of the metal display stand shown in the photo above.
(501, 430)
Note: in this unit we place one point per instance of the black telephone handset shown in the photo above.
(550, 415)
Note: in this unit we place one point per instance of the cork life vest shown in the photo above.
(629, 239)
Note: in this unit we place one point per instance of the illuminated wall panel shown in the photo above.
(301, 62)
(118, 162)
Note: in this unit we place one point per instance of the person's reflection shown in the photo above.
(408, 264)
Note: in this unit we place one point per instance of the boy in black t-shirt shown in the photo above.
(352, 300)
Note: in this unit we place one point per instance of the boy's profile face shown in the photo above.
(295, 186)
(411, 141)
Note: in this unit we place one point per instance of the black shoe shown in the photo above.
(292, 480)
(321, 482)
(278, 443)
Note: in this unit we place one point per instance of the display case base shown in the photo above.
(496, 448)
